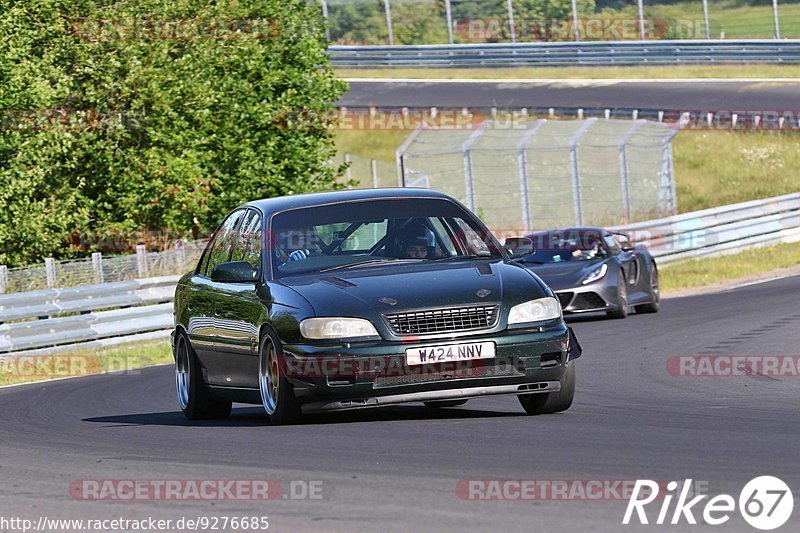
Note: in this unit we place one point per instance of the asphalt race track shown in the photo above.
(398, 467)
(667, 95)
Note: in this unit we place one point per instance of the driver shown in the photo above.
(297, 244)
(416, 242)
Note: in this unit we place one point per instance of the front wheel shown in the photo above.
(194, 397)
(622, 298)
(655, 294)
(551, 402)
(277, 394)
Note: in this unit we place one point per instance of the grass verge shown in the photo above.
(124, 359)
(716, 270)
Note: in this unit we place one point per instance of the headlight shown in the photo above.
(535, 311)
(337, 328)
(596, 274)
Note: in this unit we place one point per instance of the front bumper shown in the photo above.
(589, 298)
(357, 376)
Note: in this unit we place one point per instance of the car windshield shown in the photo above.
(567, 245)
(371, 233)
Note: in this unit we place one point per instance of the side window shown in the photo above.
(472, 240)
(611, 242)
(248, 245)
(219, 250)
(444, 236)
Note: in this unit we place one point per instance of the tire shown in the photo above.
(655, 295)
(277, 394)
(438, 404)
(551, 402)
(622, 299)
(196, 400)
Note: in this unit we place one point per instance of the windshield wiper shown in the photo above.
(369, 262)
(470, 256)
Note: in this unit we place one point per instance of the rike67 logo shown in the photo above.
(765, 503)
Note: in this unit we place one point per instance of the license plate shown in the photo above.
(450, 352)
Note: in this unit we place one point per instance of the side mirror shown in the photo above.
(519, 246)
(626, 247)
(234, 272)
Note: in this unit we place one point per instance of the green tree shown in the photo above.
(106, 128)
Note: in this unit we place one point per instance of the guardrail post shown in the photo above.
(97, 266)
(50, 272)
(575, 167)
(3, 279)
(522, 162)
(141, 260)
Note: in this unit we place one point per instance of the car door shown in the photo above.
(239, 311)
(203, 326)
(629, 259)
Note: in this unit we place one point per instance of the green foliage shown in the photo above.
(105, 132)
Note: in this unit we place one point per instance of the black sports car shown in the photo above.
(592, 269)
(357, 299)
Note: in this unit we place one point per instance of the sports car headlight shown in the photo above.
(535, 311)
(596, 274)
(337, 328)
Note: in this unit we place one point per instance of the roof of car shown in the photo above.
(281, 203)
(571, 229)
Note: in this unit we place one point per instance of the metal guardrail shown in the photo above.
(720, 230)
(716, 231)
(607, 53)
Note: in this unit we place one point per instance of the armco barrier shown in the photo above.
(604, 53)
(101, 315)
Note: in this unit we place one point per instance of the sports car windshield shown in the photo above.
(372, 233)
(557, 247)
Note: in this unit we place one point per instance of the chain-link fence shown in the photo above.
(101, 269)
(548, 173)
(372, 22)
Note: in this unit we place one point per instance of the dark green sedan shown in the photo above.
(356, 299)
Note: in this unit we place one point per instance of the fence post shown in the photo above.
(3, 279)
(449, 14)
(574, 165)
(511, 26)
(388, 9)
(466, 149)
(181, 251)
(349, 171)
(141, 260)
(327, 20)
(97, 266)
(705, 16)
(400, 154)
(374, 168)
(576, 33)
(50, 272)
(777, 21)
(522, 161)
(666, 190)
(641, 20)
(624, 171)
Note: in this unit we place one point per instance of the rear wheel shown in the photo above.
(444, 403)
(551, 402)
(277, 394)
(655, 295)
(194, 397)
(622, 298)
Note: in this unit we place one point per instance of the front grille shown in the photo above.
(444, 320)
(423, 376)
(564, 298)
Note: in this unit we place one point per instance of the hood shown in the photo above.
(395, 288)
(564, 275)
